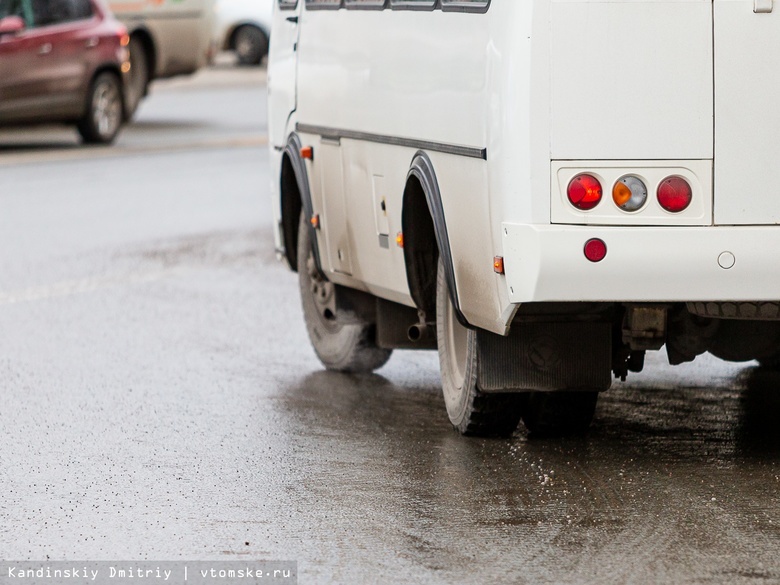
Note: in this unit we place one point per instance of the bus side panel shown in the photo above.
(399, 73)
(408, 75)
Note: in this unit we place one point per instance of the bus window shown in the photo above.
(365, 4)
(413, 4)
(465, 5)
(323, 4)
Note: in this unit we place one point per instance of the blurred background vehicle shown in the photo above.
(167, 38)
(63, 61)
(243, 27)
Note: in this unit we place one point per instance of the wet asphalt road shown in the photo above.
(159, 398)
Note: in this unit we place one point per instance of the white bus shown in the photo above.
(167, 38)
(542, 189)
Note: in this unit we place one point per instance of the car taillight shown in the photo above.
(629, 193)
(674, 194)
(584, 191)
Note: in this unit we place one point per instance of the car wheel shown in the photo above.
(139, 76)
(250, 45)
(103, 116)
(471, 411)
(559, 413)
(341, 346)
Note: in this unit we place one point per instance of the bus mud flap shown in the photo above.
(546, 357)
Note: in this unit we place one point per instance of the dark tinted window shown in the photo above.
(366, 4)
(11, 8)
(323, 4)
(56, 11)
(465, 5)
(413, 4)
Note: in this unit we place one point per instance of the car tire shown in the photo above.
(341, 346)
(471, 411)
(250, 45)
(138, 79)
(103, 115)
(561, 413)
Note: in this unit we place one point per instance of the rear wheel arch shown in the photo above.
(426, 238)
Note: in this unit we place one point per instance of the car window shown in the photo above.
(47, 12)
(11, 8)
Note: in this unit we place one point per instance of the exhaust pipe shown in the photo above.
(420, 332)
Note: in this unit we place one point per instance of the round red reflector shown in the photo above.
(674, 194)
(595, 250)
(584, 191)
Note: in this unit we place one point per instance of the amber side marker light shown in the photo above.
(595, 250)
(399, 240)
(315, 221)
(584, 191)
(307, 152)
(498, 265)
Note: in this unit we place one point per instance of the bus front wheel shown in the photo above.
(343, 343)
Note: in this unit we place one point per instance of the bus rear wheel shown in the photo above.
(343, 343)
(471, 411)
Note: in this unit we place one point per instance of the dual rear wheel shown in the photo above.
(474, 412)
(347, 344)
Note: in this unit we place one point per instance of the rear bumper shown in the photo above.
(643, 264)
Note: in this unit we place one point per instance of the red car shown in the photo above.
(63, 61)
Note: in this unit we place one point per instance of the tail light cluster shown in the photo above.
(629, 193)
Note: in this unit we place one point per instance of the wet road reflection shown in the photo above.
(671, 485)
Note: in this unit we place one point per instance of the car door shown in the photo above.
(17, 85)
(43, 66)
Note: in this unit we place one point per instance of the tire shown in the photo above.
(562, 413)
(343, 347)
(139, 76)
(103, 116)
(250, 45)
(471, 411)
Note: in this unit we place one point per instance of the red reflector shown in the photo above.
(674, 194)
(595, 250)
(584, 191)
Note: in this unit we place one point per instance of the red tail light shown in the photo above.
(674, 194)
(584, 191)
